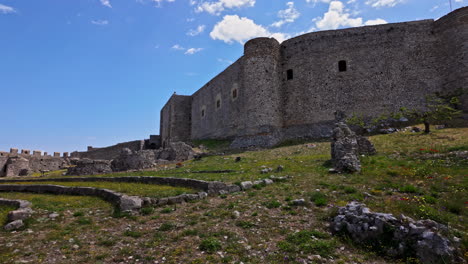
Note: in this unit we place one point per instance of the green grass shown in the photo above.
(140, 189)
(59, 203)
(411, 174)
(4, 210)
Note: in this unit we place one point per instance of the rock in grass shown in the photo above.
(298, 202)
(246, 185)
(14, 225)
(19, 214)
(396, 237)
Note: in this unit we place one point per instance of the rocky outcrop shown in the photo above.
(16, 217)
(134, 160)
(345, 149)
(145, 159)
(365, 147)
(17, 166)
(403, 237)
(176, 151)
(90, 167)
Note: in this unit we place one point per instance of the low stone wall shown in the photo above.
(400, 237)
(121, 201)
(16, 217)
(211, 187)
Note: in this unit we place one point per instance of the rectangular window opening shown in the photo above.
(289, 74)
(342, 66)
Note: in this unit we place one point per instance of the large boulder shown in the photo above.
(90, 167)
(365, 147)
(345, 149)
(176, 151)
(134, 160)
(17, 166)
(397, 237)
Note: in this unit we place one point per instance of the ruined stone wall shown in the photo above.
(13, 162)
(109, 153)
(387, 67)
(176, 119)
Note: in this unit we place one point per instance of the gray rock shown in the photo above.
(17, 166)
(365, 147)
(14, 225)
(130, 203)
(235, 214)
(53, 215)
(90, 167)
(176, 151)
(267, 181)
(345, 149)
(280, 168)
(246, 185)
(421, 239)
(134, 160)
(19, 214)
(202, 195)
(298, 202)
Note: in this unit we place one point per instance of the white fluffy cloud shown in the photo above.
(157, 2)
(197, 31)
(192, 51)
(215, 8)
(6, 9)
(189, 51)
(287, 15)
(337, 16)
(100, 22)
(373, 22)
(318, 1)
(383, 3)
(106, 3)
(239, 29)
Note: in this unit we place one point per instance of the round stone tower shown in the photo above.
(261, 88)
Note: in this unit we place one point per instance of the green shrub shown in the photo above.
(244, 224)
(318, 198)
(210, 245)
(147, 210)
(167, 226)
(272, 204)
(167, 210)
(409, 189)
(134, 234)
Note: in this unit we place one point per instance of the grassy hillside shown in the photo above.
(419, 175)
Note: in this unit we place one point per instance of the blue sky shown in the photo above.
(97, 72)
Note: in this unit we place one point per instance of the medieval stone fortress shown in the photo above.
(198, 192)
(276, 92)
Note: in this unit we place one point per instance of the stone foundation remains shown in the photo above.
(402, 238)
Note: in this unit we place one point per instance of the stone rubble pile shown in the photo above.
(16, 217)
(134, 160)
(403, 237)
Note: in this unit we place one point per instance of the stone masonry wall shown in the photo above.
(452, 32)
(176, 119)
(387, 67)
(109, 153)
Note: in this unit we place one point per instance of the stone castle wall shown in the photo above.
(291, 90)
(108, 153)
(14, 161)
